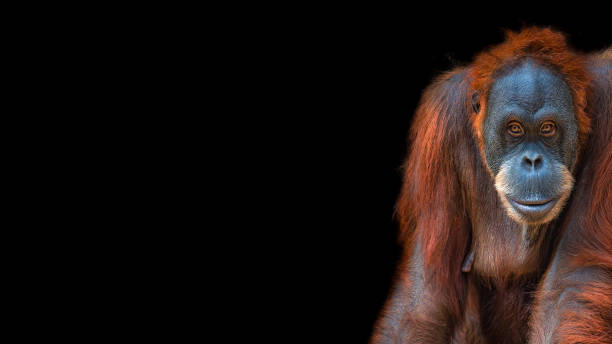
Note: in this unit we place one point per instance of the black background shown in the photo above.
(363, 74)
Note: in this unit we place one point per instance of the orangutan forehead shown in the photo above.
(530, 86)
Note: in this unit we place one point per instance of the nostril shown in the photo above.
(537, 163)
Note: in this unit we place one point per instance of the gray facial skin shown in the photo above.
(535, 170)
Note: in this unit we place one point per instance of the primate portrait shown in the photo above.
(505, 208)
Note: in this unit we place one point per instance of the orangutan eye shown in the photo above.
(548, 129)
(515, 129)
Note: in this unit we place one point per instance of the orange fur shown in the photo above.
(429, 204)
